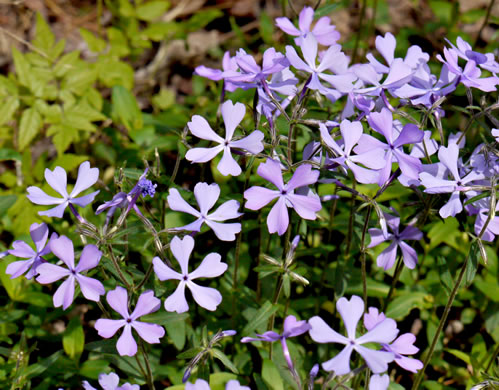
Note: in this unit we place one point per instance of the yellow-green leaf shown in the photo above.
(8, 108)
(73, 339)
(152, 10)
(30, 125)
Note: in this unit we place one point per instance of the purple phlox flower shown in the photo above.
(383, 123)
(110, 382)
(201, 384)
(324, 32)
(229, 66)
(470, 75)
(143, 187)
(251, 74)
(484, 163)
(351, 132)
(481, 209)
(206, 196)
(448, 156)
(485, 61)
(386, 47)
(210, 267)
(424, 87)
(62, 248)
(403, 345)
(39, 233)
(386, 259)
(379, 382)
(427, 147)
(150, 333)
(278, 218)
(57, 179)
(351, 312)
(342, 83)
(233, 114)
(398, 75)
(292, 328)
(495, 133)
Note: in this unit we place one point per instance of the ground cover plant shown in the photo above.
(312, 211)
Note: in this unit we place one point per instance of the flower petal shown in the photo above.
(126, 344)
(305, 19)
(303, 176)
(206, 297)
(84, 200)
(227, 165)
(62, 248)
(57, 179)
(91, 288)
(253, 143)
(107, 328)
(89, 258)
(227, 210)
(351, 311)
(322, 332)
(258, 197)
(39, 234)
(379, 382)
(49, 273)
(201, 129)
(56, 212)
(305, 206)
(278, 218)
(206, 196)
(177, 203)
(21, 249)
(64, 295)
(386, 259)
(224, 231)
(109, 381)
(233, 114)
(151, 333)
(118, 300)
(87, 177)
(37, 196)
(176, 301)
(182, 249)
(17, 268)
(270, 170)
(385, 332)
(202, 155)
(377, 361)
(210, 267)
(163, 272)
(340, 364)
(147, 303)
(285, 25)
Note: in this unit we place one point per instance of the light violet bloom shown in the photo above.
(379, 382)
(398, 75)
(464, 50)
(233, 114)
(386, 259)
(201, 384)
(351, 133)
(229, 65)
(110, 382)
(211, 266)
(351, 312)
(57, 179)
(278, 218)
(323, 31)
(449, 157)
(292, 328)
(403, 345)
(495, 133)
(383, 123)
(39, 233)
(62, 248)
(118, 300)
(342, 83)
(206, 196)
(481, 208)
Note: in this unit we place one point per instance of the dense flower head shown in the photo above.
(57, 179)
(211, 266)
(118, 300)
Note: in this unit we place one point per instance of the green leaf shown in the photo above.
(9, 154)
(66, 63)
(472, 265)
(271, 376)
(190, 353)
(218, 380)
(402, 305)
(465, 357)
(176, 331)
(163, 317)
(44, 38)
(151, 10)
(446, 231)
(73, 339)
(22, 67)
(445, 275)
(266, 28)
(225, 360)
(125, 108)
(201, 19)
(30, 125)
(62, 137)
(259, 318)
(14, 287)
(6, 201)
(93, 368)
(482, 195)
(94, 43)
(8, 107)
(42, 365)
(79, 79)
(328, 8)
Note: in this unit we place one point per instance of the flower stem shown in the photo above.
(117, 267)
(396, 275)
(149, 378)
(363, 256)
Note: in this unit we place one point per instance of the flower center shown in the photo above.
(185, 277)
(128, 320)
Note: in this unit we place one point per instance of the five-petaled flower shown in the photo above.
(62, 248)
(57, 179)
(118, 300)
(206, 297)
(278, 218)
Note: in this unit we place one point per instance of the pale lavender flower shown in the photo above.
(110, 382)
(229, 66)
(39, 234)
(403, 345)
(495, 133)
(383, 123)
(206, 196)
(379, 382)
(323, 31)
(351, 133)
(464, 50)
(233, 114)
(398, 75)
(62, 248)
(211, 266)
(278, 218)
(292, 328)
(481, 208)
(57, 179)
(342, 83)
(386, 259)
(351, 312)
(449, 157)
(118, 300)
(201, 384)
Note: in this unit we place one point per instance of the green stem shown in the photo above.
(359, 31)
(396, 275)
(493, 358)
(149, 378)
(363, 256)
(489, 9)
(117, 267)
